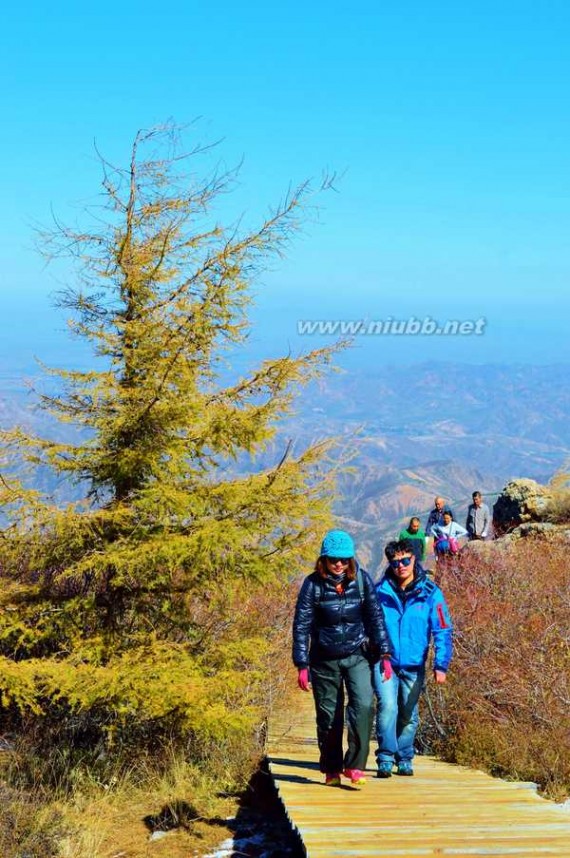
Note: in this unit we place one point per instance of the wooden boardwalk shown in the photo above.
(443, 810)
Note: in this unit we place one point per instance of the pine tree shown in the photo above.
(133, 606)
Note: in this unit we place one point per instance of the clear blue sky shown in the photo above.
(450, 122)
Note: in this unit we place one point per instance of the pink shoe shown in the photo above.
(332, 779)
(356, 777)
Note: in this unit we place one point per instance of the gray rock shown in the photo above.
(521, 501)
(543, 529)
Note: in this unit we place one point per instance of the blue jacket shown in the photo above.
(414, 616)
(331, 625)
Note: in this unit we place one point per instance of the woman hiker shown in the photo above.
(446, 543)
(338, 633)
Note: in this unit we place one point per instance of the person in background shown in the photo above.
(478, 518)
(446, 544)
(447, 535)
(338, 632)
(436, 515)
(416, 614)
(417, 537)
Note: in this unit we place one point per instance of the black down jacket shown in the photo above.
(330, 625)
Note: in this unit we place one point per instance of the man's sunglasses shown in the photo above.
(335, 560)
(404, 561)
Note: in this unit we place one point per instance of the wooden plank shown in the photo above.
(443, 810)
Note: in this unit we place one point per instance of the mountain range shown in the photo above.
(413, 432)
(434, 429)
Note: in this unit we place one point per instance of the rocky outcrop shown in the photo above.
(489, 551)
(521, 501)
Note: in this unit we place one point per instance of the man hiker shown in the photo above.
(478, 518)
(416, 535)
(436, 515)
(415, 613)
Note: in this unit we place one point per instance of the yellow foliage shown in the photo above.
(154, 607)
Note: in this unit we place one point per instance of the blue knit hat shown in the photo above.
(337, 543)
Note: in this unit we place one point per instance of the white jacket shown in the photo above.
(451, 529)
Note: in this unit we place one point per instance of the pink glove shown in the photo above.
(386, 669)
(303, 679)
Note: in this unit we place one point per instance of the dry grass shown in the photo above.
(507, 706)
(120, 823)
(117, 820)
(559, 506)
(28, 827)
(68, 810)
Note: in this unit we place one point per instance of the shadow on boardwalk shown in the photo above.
(443, 810)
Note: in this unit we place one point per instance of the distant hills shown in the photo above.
(415, 431)
(430, 429)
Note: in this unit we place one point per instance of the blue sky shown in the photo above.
(448, 122)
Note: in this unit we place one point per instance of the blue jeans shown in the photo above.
(397, 715)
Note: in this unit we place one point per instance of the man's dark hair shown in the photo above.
(476, 495)
(402, 546)
(391, 550)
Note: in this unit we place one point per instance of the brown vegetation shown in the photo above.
(559, 507)
(27, 827)
(507, 707)
(59, 806)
